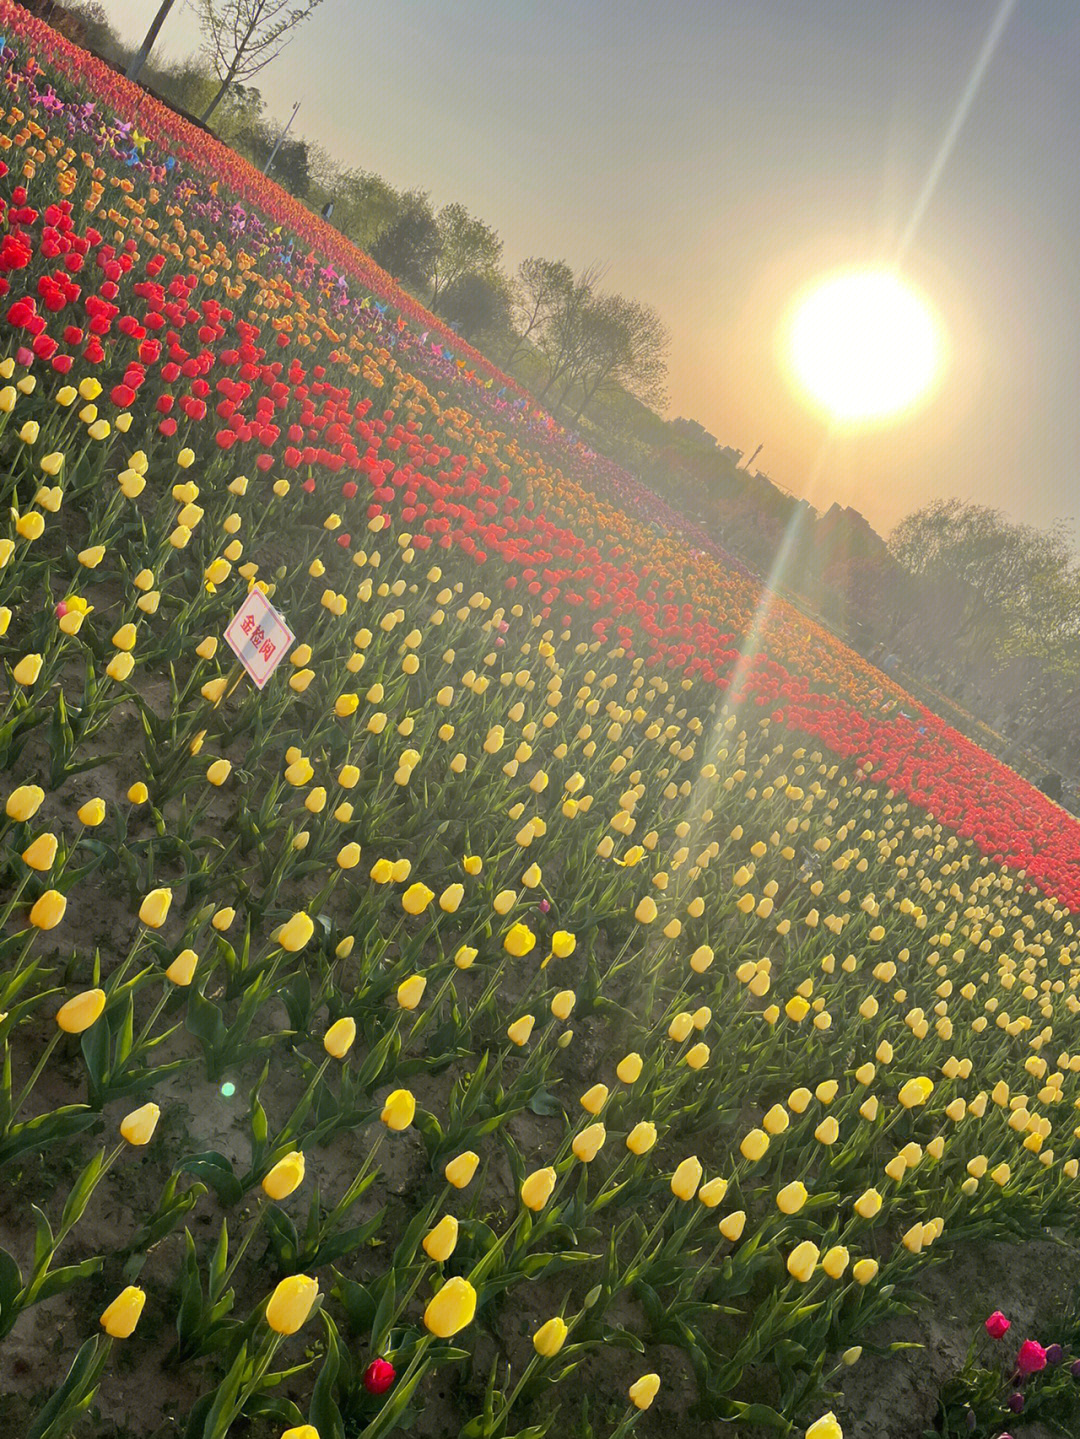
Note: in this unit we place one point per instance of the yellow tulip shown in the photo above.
(712, 1194)
(80, 1012)
(286, 1175)
(562, 1005)
(754, 1144)
(411, 991)
(563, 944)
(537, 1187)
(291, 1303)
(521, 1029)
(40, 854)
(792, 1197)
(48, 910)
(219, 772)
(459, 1172)
(519, 940)
(733, 1224)
(629, 1068)
(802, 1261)
(864, 1270)
(550, 1337)
(122, 1315)
(452, 1308)
(27, 670)
(439, 1243)
(451, 897)
(588, 1143)
(644, 1390)
(835, 1261)
(642, 1137)
(155, 908)
(417, 898)
(339, 1038)
(295, 933)
(182, 970)
(138, 1126)
(687, 1177)
(399, 1109)
(827, 1427)
(23, 803)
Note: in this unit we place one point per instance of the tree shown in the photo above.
(558, 339)
(476, 304)
(466, 246)
(539, 288)
(406, 248)
(620, 344)
(242, 37)
(364, 204)
(139, 59)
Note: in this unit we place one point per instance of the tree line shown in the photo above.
(574, 343)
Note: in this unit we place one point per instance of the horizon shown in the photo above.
(868, 130)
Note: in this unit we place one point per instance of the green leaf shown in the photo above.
(323, 1412)
(81, 1191)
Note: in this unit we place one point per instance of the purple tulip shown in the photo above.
(1074, 1369)
(1016, 1402)
(545, 906)
(1054, 1354)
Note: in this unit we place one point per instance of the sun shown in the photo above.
(863, 344)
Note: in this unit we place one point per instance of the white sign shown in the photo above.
(258, 637)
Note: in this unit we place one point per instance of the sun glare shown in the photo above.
(863, 345)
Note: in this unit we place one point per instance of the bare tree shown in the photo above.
(241, 37)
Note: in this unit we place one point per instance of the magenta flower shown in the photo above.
(997, 1325)
(1031, 1358)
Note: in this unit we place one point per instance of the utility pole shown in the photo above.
(754, 456)
(280, 138)
(140, 59)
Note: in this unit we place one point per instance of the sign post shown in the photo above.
(259, 637)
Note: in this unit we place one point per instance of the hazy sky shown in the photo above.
(720, 155)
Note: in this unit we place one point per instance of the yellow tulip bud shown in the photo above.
(399, 1110)
(550, 1337)
(286, 1175)
(754, 1144)
(827, 1426)
(79, 1013)
(138, 1126)
(521, 1029)
(291, 1303)
(439, 1243)
(23, 803)
(642, 1137)
(40, 854)
(155, 908)
(27, 670)
(452, 1308)
(537, 1187)
(644, 1390)
(295, 933)
(687, 1177)
(629, 1068)
(48, 910)
(411, 991)
(802, 1261)
(339, 1038)
(792, 1197)
(733, 1224)
(459, 1172)
(182, 970)
(122, 1315)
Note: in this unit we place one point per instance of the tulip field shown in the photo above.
(573, 994)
